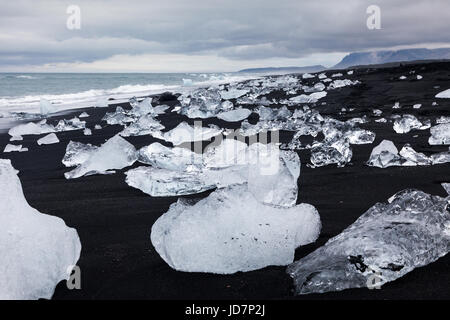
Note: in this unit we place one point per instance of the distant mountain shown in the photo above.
(285, 69)
(380, 57)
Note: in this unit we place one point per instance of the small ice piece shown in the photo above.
(70, 125)
(413, 158)
(312, 98)
(322, 76)
(118, 117)
(116, 153)
(350, 72)
(446, 187)
(234, 115)
(97, 127)
(417, 106)
(406, 123)
(381, 120)
(441, 157)
(230, 231)
(444, 94)
(102, 102)
(48, 139)
(186, 133)
(233, 93)
(337, 152)
(336, 75)
(145, 125)
(377, 112)
(419, 77)
(384, 155)
(37, 250)
(83, 115)
(340, 83)
(440, 134)
(77, 153)
(46, 107)
(87, 132)
(31, 128)
(385, 243)
(141, 108)
(178, 159)
(396, 105)
(14, 148)
(307, 76)
(16, 138)
(402, 77)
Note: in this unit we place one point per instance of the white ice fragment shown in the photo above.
(446, 187)
(97, 127)
(46, 107)
(350, 72)
(116, 153)
(16, 138)
(87, 132)
(178, 159)
(440, 134)
(443, 94)
(230, 231)
(30, 128)
(186, 133)
(77, 153)
(312, 98)
(413, 158)
(234, 115)
(307, 76)
(419, 77)
(406, 123)
(83, 115)
(417, 106)
(233, 93)
(48, 139)
(402, 77)
(385, 243)
(384, 155)
(14, 148)
(37, 250)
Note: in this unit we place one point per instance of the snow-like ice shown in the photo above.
(440, 134)
(48, 139)
(37, 250)
(230, 231)
(116, 153)
(385, 243)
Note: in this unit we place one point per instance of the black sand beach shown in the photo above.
(114, 220)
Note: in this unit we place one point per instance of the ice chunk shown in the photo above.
(413, 158)
(116, 153)
(312, 98)
(441, 157)
(406, 123)
(201, 103)
(231, 231)
(307, 76)
(443, 94)
(48, 139)
(77, 153)
(336, 152)
(16, 138)
(234, 115)
(159, 156)
(419, 77)
(120, 116)
(87, 132)
(385, 243)
(186, 133)
(70, 125)
(233, 93)
(446, 186)
(83, 115)
(37, 250)
(342, 83)
(31, 128)
(417, 106)
(14, 148)
(46, 107)
(97, 127)
(440, 134)
(145, 125)
(384, 155)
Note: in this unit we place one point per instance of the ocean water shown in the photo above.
(21, 92)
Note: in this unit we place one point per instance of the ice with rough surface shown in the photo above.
(385, 243)
(77, 153)
(384, 155)
(406, 123)
(48, 139)
(234, 115)
(37, 250)
(440, 134)
(230, 231)
(178, 159)
(116, 153)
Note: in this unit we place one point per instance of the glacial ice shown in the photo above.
(116, 153)
(146, 124)
(186, 133)
(77, 153)
(384, 155)
(233, 93)
(230, 231)
(443, 94)
(440, 134)
(234, 115)
(446, 187)
(46, 107)
(406, 123)
(31, 128)
(37, 250)
(83, 115)
(14, 148)
(312, 98)
(201, 103)
(70, 125)
(87, 132)
(48, 139)
(388, 241)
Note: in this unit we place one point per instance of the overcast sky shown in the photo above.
(208, 35)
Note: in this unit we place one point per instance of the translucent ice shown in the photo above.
(116, 153)
(230, 231)
(234, 115)
(146, 124)
(31, 128)
(233, 93)
(77, 153)
(384, 155)
(186, 133)
(440, 134)
(406, 123)
(312, 98)
(46, 107)
(48, 139)
(159, 156)
(385, 243)
(37, 250)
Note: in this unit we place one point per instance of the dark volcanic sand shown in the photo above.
(113, 220)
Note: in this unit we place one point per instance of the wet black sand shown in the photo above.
(113, 220)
